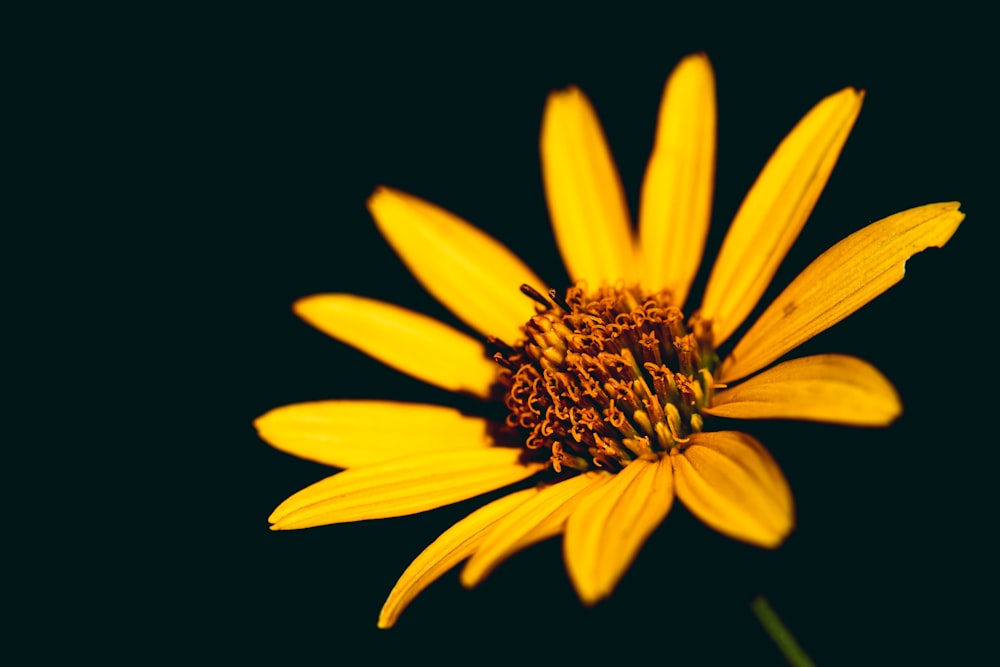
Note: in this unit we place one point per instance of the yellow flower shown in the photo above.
(607, 386)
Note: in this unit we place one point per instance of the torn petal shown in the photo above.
(775, 209)
(838, 282)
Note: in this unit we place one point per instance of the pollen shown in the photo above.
(605, 377)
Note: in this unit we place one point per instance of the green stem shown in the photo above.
(779, 633)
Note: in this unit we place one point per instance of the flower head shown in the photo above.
(608, 388)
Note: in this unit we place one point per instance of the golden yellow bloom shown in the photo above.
(607, 386)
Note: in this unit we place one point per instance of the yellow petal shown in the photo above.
(410, 342)
(402, 486)
(774, 211)
(838, 282)
(470, 272)
(348, 434)
(539, 517)
(586, 200)
(609, 525)
(452, 547)
(728, 480)
(676, 200)
(828, 388)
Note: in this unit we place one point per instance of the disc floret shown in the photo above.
(604, 377)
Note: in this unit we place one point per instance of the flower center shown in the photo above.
(602, 378)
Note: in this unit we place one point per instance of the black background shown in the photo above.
(198, 172)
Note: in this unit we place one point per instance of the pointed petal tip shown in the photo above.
(469, 579)
(572, 90)
(557, 98)
(315, 308)
(847, 92)
(784, 534)
(382, 192)
(698, 59)
(276, 516)
(954, 208)
(383, 197)
(776, 541)
(305, 306)
(772, 541)
(258, 421)
(592, 592)
(895, 411)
